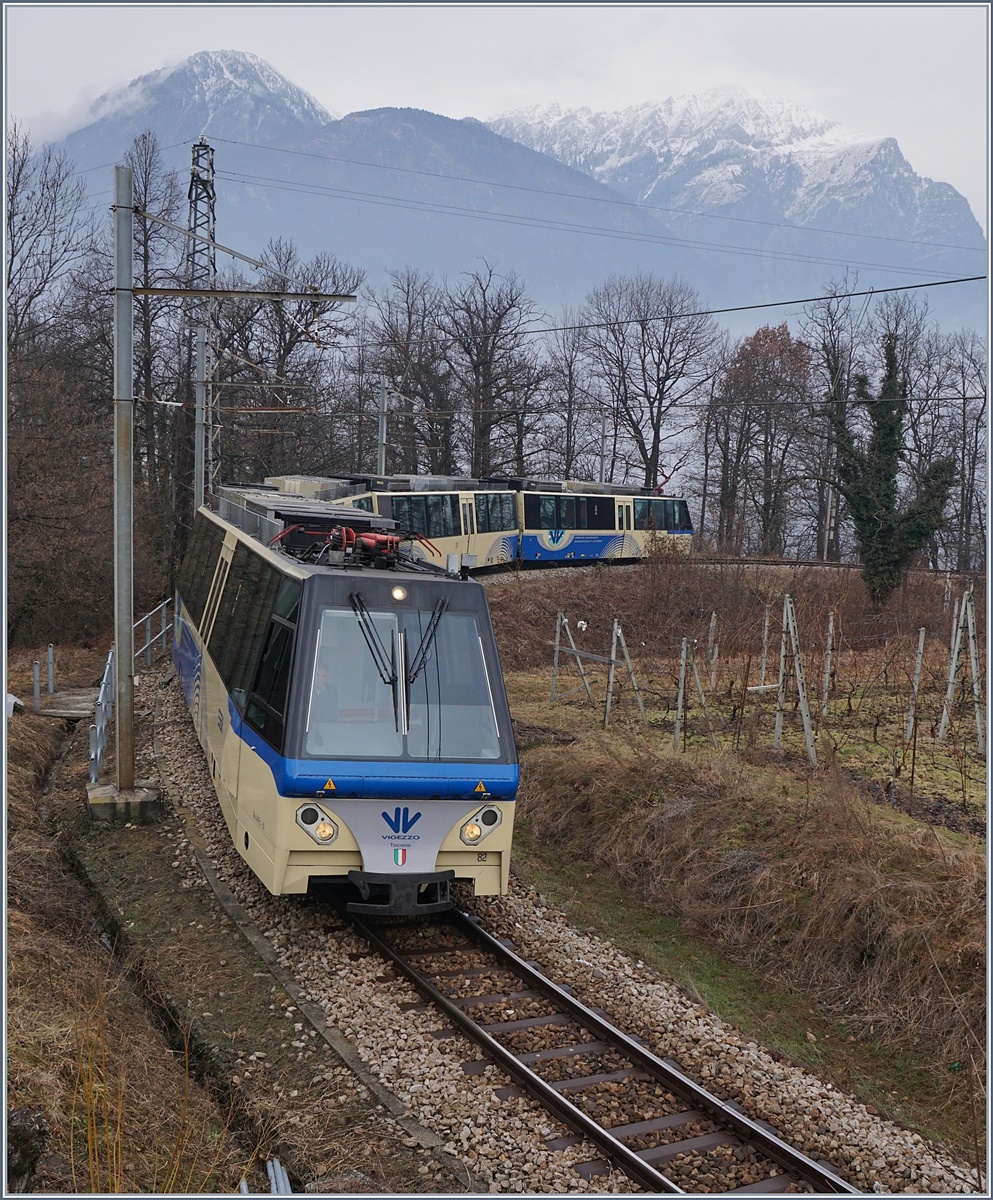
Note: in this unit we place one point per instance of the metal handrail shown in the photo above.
(104, 713)
(163, 634)
(102, 718)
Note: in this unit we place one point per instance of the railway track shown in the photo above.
(638, 1113)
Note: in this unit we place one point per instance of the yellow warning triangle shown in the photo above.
(480, 787)
(329, 786)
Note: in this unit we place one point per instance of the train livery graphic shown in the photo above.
(512, 521)
(350, 703)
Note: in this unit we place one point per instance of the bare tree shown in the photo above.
(49, 231)
(485, 320)
(571, 430)
(647, 346)
(159, 260)
(414, 353)
(834, 329)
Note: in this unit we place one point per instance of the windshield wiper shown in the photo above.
(386, 664)
(421, 657)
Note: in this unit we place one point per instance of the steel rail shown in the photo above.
(636, 1168)
(666, 1073)
(821, 1178)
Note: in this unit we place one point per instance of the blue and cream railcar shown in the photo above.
(351, 705)
(501, 521)
(582, 522)
(453, 516)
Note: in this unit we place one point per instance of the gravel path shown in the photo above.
(502, 1143)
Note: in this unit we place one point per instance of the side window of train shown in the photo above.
(242, 619)
(503, 512)
(548, 513)
(532, 511)
(199, 564)
(600, 512)
(266, 708)
(481, 502)
(442, 515)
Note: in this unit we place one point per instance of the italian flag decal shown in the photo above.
(399, 855)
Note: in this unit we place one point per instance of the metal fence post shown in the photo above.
(917, 683)
(681, 694)
(51, 668)
(36, 680)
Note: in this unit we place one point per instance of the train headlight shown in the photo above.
(315, 822)
(398, 593)
(480, 824)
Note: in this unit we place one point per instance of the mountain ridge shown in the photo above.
(749, 201)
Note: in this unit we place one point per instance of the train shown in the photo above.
(349, 700)
(503, 522)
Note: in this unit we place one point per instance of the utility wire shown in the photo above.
(619, 201)
(558, 226)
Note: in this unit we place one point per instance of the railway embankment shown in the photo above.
(155, 1043)
(154, 994)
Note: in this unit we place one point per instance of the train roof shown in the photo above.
(333, 487)
(322, 535)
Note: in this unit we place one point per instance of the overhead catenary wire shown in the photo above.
(525, 221)
(623, 202)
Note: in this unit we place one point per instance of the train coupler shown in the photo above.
(388, 896)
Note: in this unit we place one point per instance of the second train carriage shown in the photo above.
(351, 705)
(502, 521)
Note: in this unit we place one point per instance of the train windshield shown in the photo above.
(403, 684)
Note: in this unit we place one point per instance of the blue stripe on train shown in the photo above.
(379, 779)
(551, 544)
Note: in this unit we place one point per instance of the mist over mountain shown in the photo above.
(749, 201)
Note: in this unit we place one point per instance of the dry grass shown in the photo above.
(879, 920)
(816, 878)
(123, 1111)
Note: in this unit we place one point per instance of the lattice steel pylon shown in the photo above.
(201, 274)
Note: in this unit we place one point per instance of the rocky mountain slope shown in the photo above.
(749, 201)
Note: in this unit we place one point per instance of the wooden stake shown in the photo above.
(681, 694)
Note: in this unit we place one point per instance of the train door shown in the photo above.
(468, 523)
(625, 516)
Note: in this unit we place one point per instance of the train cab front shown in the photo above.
(402, 744)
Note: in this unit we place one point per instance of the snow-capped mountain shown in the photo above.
(728, 149)
(749, 201)
(749, 174)
(228, 92)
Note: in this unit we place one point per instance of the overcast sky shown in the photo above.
(916, 72)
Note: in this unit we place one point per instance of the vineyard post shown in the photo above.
(974, 664)
(917, 682)
(808, 732)
(712, 650)
(703, 699)
(827, 664)
(953, 667)
(765, 646)
(681, 694)
(610, 675)
(781, 693)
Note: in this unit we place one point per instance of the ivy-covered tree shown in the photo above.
(889, 536)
